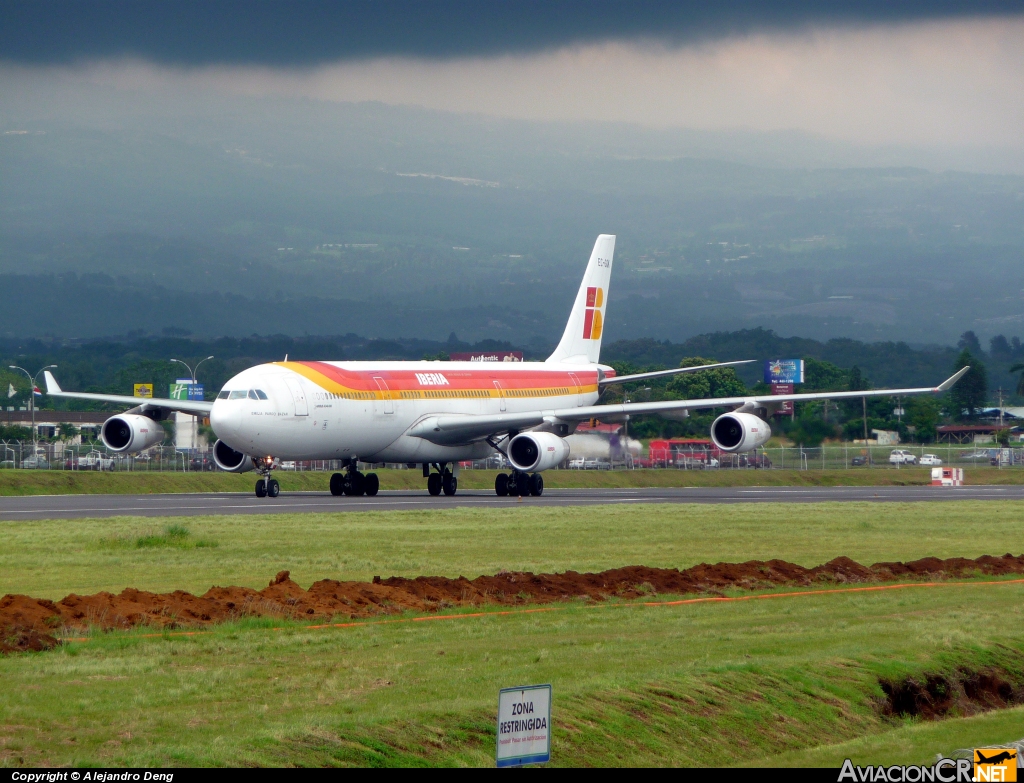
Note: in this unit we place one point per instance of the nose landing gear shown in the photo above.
(265, 486)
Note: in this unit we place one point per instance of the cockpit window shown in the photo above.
(260, 394)
(238, 395)
(252, 394)
(223, 395)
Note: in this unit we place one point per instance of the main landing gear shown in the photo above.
(354, 483)
(518, 483)
(266, 487)
(444, 480)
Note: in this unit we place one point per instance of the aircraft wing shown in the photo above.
(643, 376)
(195, 407)
(453, 429)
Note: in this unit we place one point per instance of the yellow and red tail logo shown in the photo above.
(592, 320)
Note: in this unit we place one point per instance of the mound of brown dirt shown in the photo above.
(329, 598)
(15, 639)
(961, 692)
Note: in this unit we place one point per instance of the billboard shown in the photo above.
(784, 371)
(785, 408)
(185, 389)
(487, 356)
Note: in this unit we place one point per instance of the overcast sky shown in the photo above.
(870, 72)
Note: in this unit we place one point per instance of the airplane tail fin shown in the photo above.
(581, 342)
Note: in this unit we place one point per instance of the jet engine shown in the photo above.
(534, 451)
(226, 458)
(130, 432)
(733, 432)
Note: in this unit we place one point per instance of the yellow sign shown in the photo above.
(998, 765)
(143, 390)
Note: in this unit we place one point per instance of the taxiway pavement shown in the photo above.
(83, 506)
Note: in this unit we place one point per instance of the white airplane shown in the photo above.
(438, 413)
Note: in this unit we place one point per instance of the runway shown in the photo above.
(83, 506)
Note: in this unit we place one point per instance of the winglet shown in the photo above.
(51, 383)
(948, 383)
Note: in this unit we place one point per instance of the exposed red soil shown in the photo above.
(962, 692)
(20, 614)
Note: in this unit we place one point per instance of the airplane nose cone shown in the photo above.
(226, 419)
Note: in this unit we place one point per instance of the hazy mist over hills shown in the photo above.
(125, 211)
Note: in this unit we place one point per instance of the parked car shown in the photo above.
(979, 455)
(35, 461)
(577, 463)
(597, 464)
(202, 462)
(901, 457)
(930, 459)
(860, 460)
(95, 460)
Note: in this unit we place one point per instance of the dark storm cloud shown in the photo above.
(274, 33)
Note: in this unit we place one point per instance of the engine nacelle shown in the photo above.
(535, 451)
(226, 458)
(734, 432)
(131, 432)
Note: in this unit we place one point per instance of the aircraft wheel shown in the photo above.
(358, 483)
(512, 484)
(536, 485)
(261, 488)
(273, 488)
(523, 484)
(449, 484)
(434, 484)
(337, 484)
(371, 484)
(501, 485)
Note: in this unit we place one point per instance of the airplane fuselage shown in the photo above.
(362, 410)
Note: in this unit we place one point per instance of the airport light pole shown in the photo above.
(192, 372)
(32, 400)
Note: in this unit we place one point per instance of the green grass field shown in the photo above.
(789, 680)
(58, 482)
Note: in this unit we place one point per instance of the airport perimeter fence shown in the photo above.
(95, 456)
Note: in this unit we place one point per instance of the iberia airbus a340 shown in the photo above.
(437, 413)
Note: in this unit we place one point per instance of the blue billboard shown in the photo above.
(784, 371)
(195, 391)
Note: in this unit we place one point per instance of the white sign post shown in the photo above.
(524, 725)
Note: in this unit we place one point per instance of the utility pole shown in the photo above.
(32, 403)
(864, 404)
(1000, 391)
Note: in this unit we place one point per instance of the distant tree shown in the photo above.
(440, 356)
(1016, 347)
(808, 430)
(970, 393)
(67, 431)
(824, 376)
(857, 381)
(999, 347)
(924, 414)
(722, 382)
(1019, 367)
(969, 342)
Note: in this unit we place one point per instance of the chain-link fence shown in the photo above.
(95, 456)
